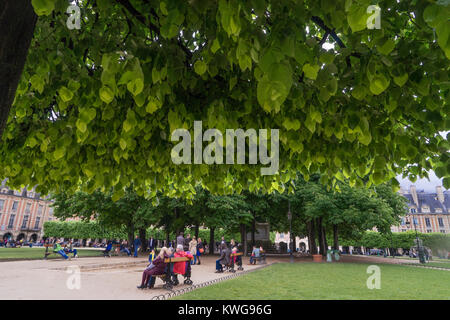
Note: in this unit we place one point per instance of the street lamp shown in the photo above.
(419, 248)
(290, 231)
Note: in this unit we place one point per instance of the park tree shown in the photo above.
(97, 104)
(128, 212)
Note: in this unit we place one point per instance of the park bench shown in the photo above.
(115, 250)
(50, 245)
(237, 254)
(262, 258)
(166, 277)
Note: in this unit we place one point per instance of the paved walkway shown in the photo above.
(100, 278)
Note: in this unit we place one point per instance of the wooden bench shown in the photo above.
(166, 277)
(237, 254)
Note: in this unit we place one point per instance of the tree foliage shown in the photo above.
(98, 105)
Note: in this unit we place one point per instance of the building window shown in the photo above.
(415, 221)
(403, 221)
(25, 222)
(427, 222)
(438, 210)
(36, 225)
(2, 203)
(50, 211)
(413, 210)
(442, 231)
(15, 206)
(11, 221)
(27, 208)
(441, 222)
(428, 231)
(40, 209)
(281, 235)
(425, 209)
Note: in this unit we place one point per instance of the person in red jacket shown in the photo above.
(180, 267)
(156, 267)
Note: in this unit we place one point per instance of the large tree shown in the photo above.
(99, 104)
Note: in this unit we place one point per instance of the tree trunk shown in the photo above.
(336, 237)
(196, 231)
(211, 241)
(324, 240)
(243, 238)
(17, 22)
(143, 237)
(253, 231)
(167, 238)
(293, 243)
(312, 238)
(319, 235)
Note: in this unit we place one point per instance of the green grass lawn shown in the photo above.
(329, 281)
(438, 264)
(38, 253)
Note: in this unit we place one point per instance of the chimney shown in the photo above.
(413, 191)
(440, 194)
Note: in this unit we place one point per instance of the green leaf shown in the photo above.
(43, 7)
(200, 67)
(387, 47)
(65, 94)
(378, 84)
(311, 71)
(106, 94)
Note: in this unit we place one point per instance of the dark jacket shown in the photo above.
(225, 256)
(160, 266)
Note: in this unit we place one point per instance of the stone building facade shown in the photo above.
(23, 213)
(427, 211)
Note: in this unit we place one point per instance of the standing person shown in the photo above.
(151, 244)
(200, 249)
(186, 242)
(193, 249)
(137, 244)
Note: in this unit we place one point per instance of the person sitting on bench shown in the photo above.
(224, 258)
(70, 249)
(107, 250)
(180, 267)
(124, 248)
(58, 249)
(157, 267)
(255, 255)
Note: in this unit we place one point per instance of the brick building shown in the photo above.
(23, 213)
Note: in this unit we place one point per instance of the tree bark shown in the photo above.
(312, 238)
(324, 240)
(243, 238)
(253, 230)
(196, 231)
(336, 237)
(211, 241)
(319, 235)
(17, 22)
(143, 237)
(167, 238)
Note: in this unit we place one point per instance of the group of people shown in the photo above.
(158, 266)
(195, 247)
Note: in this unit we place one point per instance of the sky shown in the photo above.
(422, 184)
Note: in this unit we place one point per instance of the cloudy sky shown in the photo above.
(428, 186)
